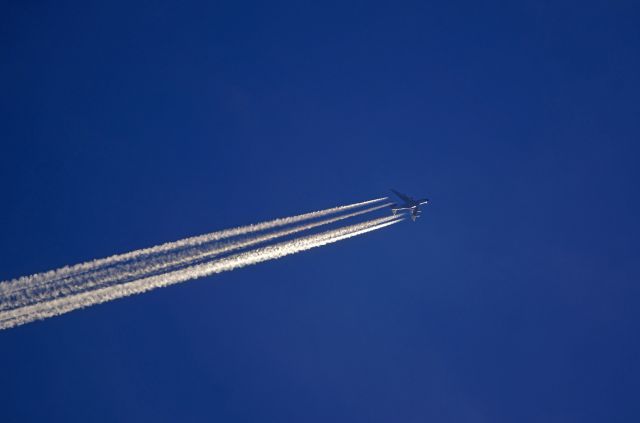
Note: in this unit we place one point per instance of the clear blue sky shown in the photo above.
(514, 298)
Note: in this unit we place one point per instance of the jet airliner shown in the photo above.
(410, 204)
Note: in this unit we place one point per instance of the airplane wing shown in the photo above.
(395, 209)
(404, 197)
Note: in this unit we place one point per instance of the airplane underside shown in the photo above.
(410, 204)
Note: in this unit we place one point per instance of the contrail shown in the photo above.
(135, 270)
(57, 306)
(28, 282)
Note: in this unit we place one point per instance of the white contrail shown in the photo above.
(138, 269)
(27, 282)
(62, 305)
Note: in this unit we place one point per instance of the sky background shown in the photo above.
(514, 297)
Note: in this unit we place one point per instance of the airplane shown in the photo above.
(409, 204)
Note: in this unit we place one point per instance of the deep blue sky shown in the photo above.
(514, 298)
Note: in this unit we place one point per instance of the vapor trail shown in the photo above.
(138, 269)
(27, 282)
(57, 306)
